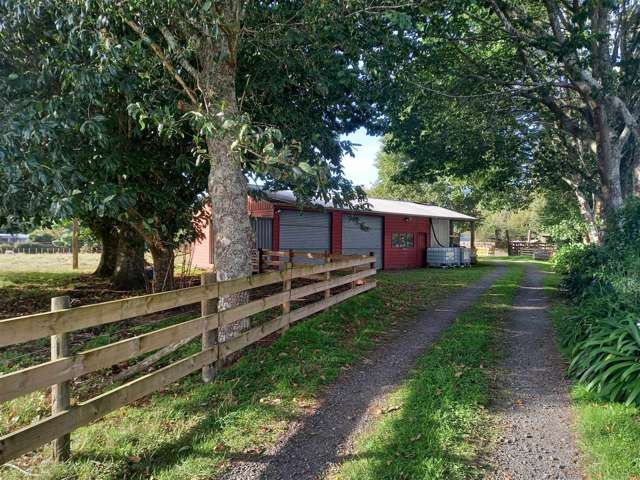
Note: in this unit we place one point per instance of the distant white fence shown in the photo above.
(44, 250)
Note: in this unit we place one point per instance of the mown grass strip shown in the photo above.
(436, 421)
(191, 430)
(608, 432)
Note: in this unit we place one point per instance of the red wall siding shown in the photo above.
(396, 258)
(259, 208)
(200, 250)
(336, 233)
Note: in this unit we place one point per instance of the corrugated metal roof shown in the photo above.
(380, 205)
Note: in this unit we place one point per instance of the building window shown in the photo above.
(402, 240)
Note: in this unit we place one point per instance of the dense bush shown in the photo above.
(608, 360)
(43, 235)
(580, 264)
(604, 284)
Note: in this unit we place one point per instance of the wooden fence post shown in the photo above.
(209, 337)
(372, 264)
(354, 270)
(60, 393)
(327, 275)
(286, 287)
(75, 244)
(260, 260)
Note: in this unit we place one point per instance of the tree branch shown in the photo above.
(554, 20)
(568, 124)
(505, 20)
(173, 46)
(630, 121)
(163, 58)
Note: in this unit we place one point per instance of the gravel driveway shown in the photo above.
(315, 443)
(537, 440)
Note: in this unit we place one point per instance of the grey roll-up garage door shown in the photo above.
(262, 229)
(305, 231)
(359, 240)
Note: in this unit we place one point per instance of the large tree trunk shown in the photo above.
(163, 266)
(233, 233)
(608, 162)
(590, 213)
(129, 271)
(108, 236)
(589, 204)
(228, 186)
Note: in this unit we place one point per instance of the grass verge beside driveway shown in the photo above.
(191, 430)
(436, 424)
(608, 432)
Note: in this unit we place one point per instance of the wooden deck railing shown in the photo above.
(64, 367)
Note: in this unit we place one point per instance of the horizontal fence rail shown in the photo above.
(354, 274)
(525, 248)
(268, 260)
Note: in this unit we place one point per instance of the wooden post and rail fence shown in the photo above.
(516, 247)
(540, 250)
(352, 272)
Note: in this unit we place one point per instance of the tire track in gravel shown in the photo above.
(537, 439)
(313, 444)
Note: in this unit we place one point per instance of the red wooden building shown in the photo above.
(397, 232)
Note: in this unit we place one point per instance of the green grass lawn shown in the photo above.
(28, 281)
(47, 263)
(191, 430)
(608, 432)
(441, 426)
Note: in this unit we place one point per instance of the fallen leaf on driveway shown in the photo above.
(392, 408)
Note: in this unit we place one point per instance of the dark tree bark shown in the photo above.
(129, 271)
(110, 241)
(163, 266)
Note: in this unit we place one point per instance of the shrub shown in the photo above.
(42, 236)
(607, 361)
(623, 231)
(567, 232)
(580, 265)
(567, 257)
(604, 284)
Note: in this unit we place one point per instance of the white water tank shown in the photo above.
(443, 257)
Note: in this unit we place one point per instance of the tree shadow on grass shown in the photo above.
(440, 431)
(248, 404)
(224, 419)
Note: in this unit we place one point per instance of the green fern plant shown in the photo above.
(608, 360)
